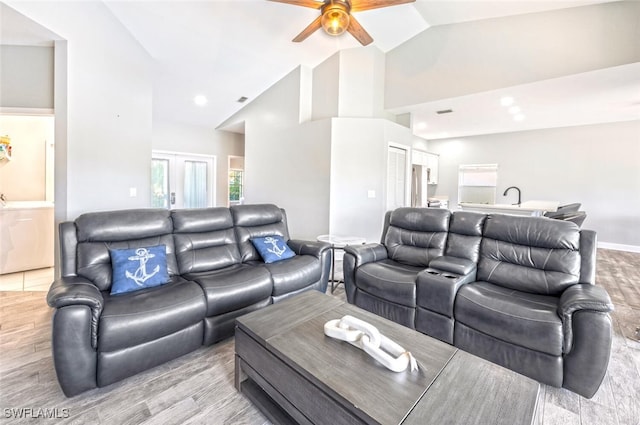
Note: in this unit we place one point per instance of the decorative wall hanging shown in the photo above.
(5, 147)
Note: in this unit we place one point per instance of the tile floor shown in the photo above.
(31, 280)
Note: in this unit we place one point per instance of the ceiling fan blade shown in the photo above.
(360, 5)
(313, 27)
(304, 3)
(356, 30)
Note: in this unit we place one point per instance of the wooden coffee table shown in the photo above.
(295, 374)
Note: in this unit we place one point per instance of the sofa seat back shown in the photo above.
(254, 221)
(465, 235)
(415, 236)
(98, 232)
(205, 239)
(530, 254)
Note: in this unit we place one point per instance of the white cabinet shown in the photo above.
(417, 157)
(432, 167)
(26, 238)
(429, 162)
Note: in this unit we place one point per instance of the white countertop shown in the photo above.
(21, 205)
(526, 208)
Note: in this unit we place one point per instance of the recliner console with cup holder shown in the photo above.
(518, 291)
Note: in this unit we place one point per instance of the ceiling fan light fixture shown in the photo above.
(335, 18)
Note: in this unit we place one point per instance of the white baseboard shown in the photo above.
(619, 247)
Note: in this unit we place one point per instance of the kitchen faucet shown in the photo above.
(516, 188)
(3, 200)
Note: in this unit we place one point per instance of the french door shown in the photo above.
(182, 180)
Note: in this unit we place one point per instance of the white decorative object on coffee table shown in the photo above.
(368, 338)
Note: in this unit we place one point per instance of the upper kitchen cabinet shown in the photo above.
(432, 167)
(429, 163)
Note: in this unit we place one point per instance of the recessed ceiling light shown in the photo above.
(506, 101)
(518, 117)
(200, 100)
(421, 125)
(514, 110)
(242, 99)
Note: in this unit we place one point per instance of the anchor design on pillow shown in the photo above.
(140, 275)
(275, 250)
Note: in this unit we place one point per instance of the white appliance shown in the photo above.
(419, 179)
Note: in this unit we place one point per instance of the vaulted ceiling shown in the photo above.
(228, 49)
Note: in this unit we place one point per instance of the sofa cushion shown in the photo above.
(100, 231)
(204, 239)
(272, 248)
(294, 273)
(146, 315)
(520, 318)
(233, 288)
(138, 268)
(255, 221)
(389, 280)
(465, 234)
(530, 254)
(415, 236)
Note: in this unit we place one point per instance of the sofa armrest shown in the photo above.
(73, 291)
(366, 253)
(455, 265)
(302, 247)
(355, 256)
(577, 298)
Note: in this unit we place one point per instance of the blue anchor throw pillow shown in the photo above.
(272, 248)
(138, 268)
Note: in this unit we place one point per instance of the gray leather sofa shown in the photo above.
(215, 275)
(518, 291)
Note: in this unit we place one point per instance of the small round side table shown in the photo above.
(338, 243)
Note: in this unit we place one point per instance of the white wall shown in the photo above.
(320, 171)
(290, 168)
(108, 103)
(286, 161)
(182, 138)
(359, 165)
(326, 88)
(597, 165)
(471, 57)
(361, 81)
(26, 77)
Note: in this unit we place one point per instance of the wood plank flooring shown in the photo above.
(198, 388)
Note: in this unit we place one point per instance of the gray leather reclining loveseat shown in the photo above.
(214, 275)
(518, 291)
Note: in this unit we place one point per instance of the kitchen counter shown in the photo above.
(21, 205)
(533, 208)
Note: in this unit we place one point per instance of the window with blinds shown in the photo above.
(477, 183)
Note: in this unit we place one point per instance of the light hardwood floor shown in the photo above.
(198, 388)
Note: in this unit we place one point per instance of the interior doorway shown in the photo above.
(398, 172)
(182, 180)
(236, 180)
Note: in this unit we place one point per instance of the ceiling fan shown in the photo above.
(335, 16)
